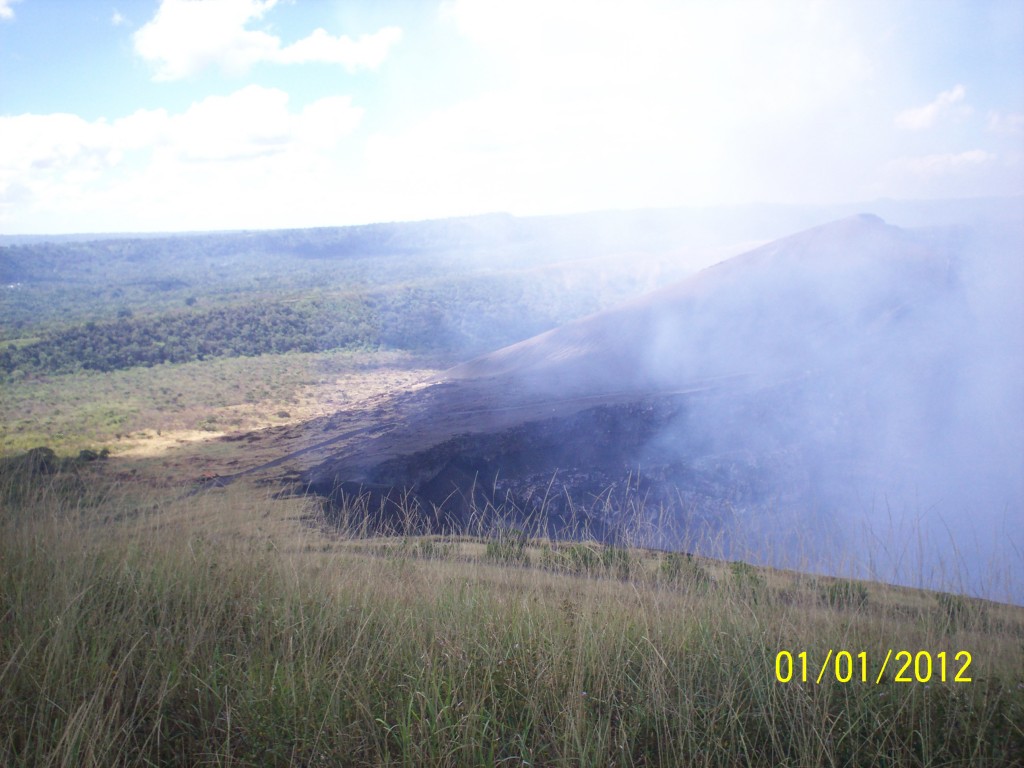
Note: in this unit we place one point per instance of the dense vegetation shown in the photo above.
(183, 337)
(463, 286)
(147, 628)
(462, 315)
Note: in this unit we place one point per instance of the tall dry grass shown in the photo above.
(142, 628)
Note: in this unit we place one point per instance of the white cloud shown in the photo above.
(251, 122)
(537, 106)
(42, 143)
(972, 173)
(921, 118)
(597, 105)
(369, 51)
(187, 36)
(1006, 124)
(6, 11)
(944, 163)
(223, 159)
(117, 19)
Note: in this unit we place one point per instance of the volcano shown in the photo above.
(783, 388)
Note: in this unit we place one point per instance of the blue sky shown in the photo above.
(165, 115)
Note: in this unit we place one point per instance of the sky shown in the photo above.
(175, 115)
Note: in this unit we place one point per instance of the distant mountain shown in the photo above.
(838, 393)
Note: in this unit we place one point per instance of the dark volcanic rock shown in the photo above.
(764, 394)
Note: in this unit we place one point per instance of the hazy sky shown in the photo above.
(133, 115)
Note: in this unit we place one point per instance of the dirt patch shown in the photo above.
(262, 432)
(151, 443)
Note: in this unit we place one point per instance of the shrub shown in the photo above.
(959, 613)
(37, 461)
(745, 575)
(845, 594)
(432, 550)
(617, 560)
(508, 548)
(677, 568)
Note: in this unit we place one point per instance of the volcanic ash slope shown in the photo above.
(787, 392)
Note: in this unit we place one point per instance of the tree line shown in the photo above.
(254, 329)
(468, 317)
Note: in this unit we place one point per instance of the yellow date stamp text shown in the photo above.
(850, 667)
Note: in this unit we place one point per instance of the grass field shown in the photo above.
(146, 410)
(148, 626)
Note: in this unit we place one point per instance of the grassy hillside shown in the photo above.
(148, 620)
(143, 625)
(147, 408)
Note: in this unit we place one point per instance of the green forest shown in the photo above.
(436, 318)
(462, 287)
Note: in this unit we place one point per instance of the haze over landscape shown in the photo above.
(476, 382)
(846, 399)
(761, 119)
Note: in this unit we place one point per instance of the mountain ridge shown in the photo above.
(662, 314)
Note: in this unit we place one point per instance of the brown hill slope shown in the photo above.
(771, 310)
(818, 383)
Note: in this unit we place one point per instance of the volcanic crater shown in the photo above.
(734, 396)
